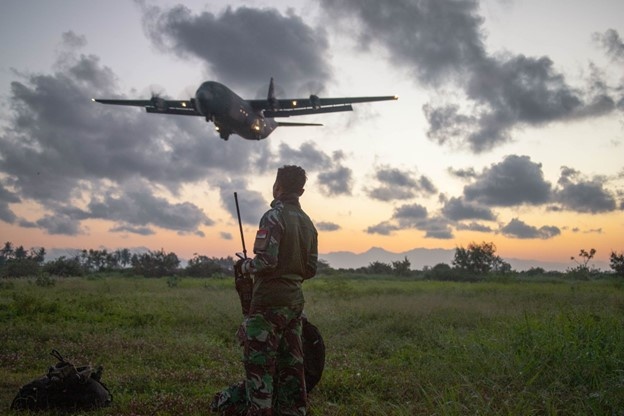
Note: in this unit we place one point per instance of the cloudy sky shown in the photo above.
(509, 127)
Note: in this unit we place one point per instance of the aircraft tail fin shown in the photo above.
(271, 93)
(273, 103)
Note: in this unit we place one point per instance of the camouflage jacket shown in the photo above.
(286, 253)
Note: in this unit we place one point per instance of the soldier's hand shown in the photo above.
(238, 272)
(241, 267)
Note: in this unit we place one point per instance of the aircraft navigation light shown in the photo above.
(294, 103)
(183, 104)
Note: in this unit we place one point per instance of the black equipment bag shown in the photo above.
(64, 387)
(313, 354)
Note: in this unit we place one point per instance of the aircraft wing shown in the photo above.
(311, 105)
(157, 105)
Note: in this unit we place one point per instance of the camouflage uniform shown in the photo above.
(233, 400)
(286, 250)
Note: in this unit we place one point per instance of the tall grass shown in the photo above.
(393, 347)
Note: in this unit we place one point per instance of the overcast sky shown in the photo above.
(509, 127)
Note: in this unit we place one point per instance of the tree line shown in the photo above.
(474, 262)
(19, 262)
(479, 260)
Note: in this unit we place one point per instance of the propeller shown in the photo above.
(156, 96)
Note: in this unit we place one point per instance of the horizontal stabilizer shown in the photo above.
(287, 124)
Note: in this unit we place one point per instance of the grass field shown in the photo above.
(393, 347)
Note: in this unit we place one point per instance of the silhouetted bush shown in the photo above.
(64, 267)
(204, 266)
(20, 268)
(155, 264)
(616, 261)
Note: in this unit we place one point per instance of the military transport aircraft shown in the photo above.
(250, 119)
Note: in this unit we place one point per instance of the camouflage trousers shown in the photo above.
(273, 358)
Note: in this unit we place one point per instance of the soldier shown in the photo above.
(286, 253)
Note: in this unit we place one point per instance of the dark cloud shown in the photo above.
(251, 203)
(333, 178)
(327, 226)
(457, 209)
(383, 228)
(436, 227)
(244, 46)
(586, 196)
(73, 40)
(226, 236)
(60, 225)
(133, 230)
(55, 123)
(467, 173)
(410, 215)
(417, 217)
(578, 194)
(7, 197)
(6, 214)
(59, 149)
(442, 43)
(590, 231)
(395, 184)
(308, 156)
(568, 175)
(611, 41)
(473, 226)
(139, 207)
(337, 181)
(515, 181)
(519, 229)
(438, 35)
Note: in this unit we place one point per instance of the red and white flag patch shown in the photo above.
(262, 240)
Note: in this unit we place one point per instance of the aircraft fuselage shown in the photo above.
(230, 113)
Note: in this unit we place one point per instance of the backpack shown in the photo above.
(313, 354)
(64, 387)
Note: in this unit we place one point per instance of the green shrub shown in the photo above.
(44, 280)
(64, 267)
(20, 268)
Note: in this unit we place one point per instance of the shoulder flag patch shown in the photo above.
(262, 240)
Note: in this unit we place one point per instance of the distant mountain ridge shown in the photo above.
(421, 257)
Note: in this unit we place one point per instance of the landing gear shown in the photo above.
(223, 133)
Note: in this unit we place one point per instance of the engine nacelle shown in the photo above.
(159, 103)
(315, 101)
